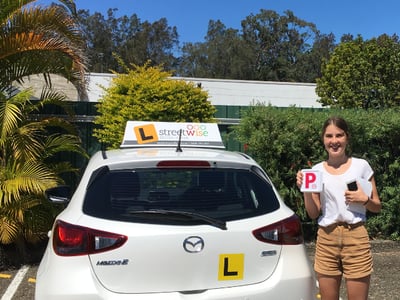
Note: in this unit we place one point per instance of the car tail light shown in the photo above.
(71, 240)
(285, 232)
(183, 164)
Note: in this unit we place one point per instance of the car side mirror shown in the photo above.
(59, 194)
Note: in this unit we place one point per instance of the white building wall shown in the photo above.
(244, 93)
(234, 92)
(221, 91)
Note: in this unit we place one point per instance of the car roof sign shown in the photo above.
(167, 134)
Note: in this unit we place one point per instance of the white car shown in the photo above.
(187, 220)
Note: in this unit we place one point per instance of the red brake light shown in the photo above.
(183, 164)
(71, 240)
(285, 232)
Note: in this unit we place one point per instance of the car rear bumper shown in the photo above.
(292, 279)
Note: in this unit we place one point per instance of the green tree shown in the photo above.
(146, 93)
(277, 42)
(129, 38)
(363, 74)
(99, 39)
(40, 40)
(308, 65)
(269, 47)
(224, 54)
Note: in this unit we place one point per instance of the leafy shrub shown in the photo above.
(284, 141)
(147, 93)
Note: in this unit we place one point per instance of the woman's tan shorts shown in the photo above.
(343, 249)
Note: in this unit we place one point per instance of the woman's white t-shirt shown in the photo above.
(333, 203)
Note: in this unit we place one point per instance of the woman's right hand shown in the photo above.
(311, 200)
(299, 179)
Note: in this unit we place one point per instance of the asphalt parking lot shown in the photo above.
(19, 283)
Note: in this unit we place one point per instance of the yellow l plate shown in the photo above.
(231, 266)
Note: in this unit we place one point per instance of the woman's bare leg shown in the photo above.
(329, 287)
(357, 289)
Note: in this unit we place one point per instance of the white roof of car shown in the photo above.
(171, 153)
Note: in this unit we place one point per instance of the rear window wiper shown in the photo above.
(178, 213)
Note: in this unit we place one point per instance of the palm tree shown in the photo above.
(34, 40)
(40, 40)
(27, 167)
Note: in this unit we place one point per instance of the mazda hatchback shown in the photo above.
(173, 215)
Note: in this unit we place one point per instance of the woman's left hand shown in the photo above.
(357, 196)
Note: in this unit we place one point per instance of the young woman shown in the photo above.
(342, 247)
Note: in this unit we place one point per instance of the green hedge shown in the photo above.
(286, 140)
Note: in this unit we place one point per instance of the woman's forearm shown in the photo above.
(312, 205)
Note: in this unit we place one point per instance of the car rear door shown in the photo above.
(186, 258)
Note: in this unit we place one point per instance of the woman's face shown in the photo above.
(335, 141)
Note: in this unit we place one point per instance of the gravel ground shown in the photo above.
(386, 276)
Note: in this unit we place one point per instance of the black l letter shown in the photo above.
(226, 267)
(143, 135)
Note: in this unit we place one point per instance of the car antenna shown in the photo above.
(178, 148)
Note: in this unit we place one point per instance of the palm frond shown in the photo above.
(26, 143)
(70, 4)
(9, 229)
(30, 178)
(50, 96)
(64, 168)
(64, 143)
(11, 111)
(38, 219)
(7, 7)
(64, 125)
(10, 115)
(22, 218)
(38, 40)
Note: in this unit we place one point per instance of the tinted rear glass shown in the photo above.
(223, 194)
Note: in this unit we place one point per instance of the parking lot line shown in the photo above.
(12, 288)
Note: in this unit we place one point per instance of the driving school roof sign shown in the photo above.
(150, 134)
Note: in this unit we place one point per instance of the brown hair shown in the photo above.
(338, 122)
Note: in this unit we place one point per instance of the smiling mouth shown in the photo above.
(335, 147)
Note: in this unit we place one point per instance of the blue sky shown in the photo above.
(370, 18)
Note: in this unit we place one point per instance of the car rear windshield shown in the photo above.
(150, 195)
